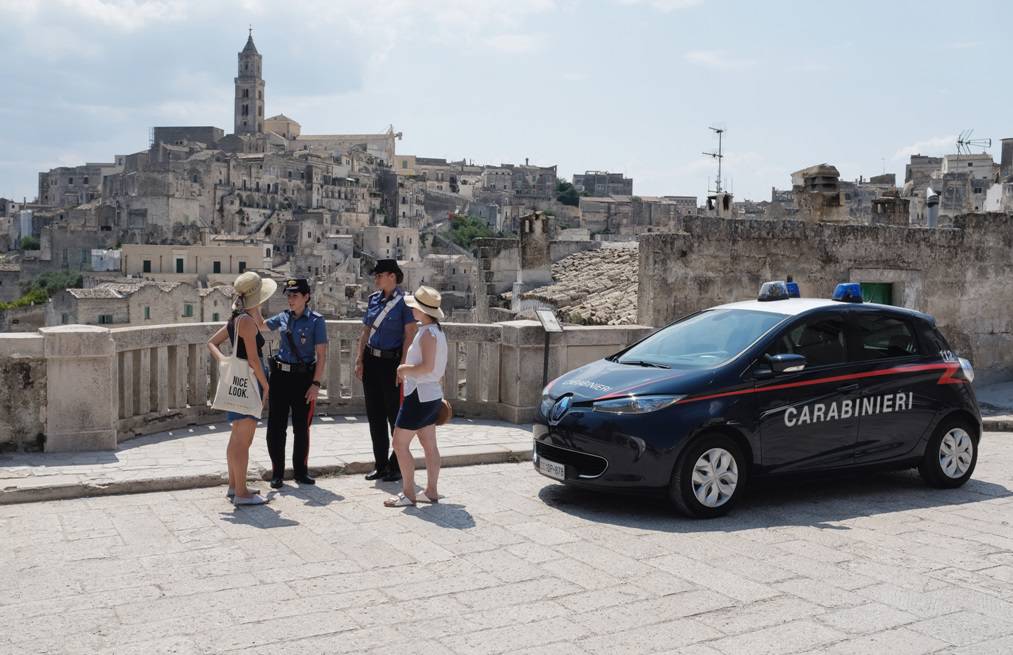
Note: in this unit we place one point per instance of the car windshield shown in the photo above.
(703, 340)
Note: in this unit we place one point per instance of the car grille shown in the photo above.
(586, 465)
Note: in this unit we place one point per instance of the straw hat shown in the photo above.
(253, 290)
(427, 300)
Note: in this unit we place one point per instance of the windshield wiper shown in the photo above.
(646, 364)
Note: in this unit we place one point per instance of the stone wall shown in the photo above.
(23, 400)
(960, 275)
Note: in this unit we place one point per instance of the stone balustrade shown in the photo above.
(80, 387)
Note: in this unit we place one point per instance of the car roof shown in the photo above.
(796, 306)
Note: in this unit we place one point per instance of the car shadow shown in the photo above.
(792, 502)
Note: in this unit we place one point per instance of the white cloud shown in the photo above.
(516, 43)
(123, 15)
(718, 59)
(664, 5)
(936, 145)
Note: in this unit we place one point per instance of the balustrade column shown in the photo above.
(81, 388)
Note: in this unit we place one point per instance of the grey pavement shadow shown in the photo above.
(59, 460)
(793, 502)
(445, 515)
(311, 494)
(258, 516)
(222, 428)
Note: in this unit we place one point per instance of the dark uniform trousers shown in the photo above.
(383, 400)
(288, 395)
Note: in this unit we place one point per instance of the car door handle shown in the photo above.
(848, 388)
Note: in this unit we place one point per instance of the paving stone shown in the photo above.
(786, 638)
(900, 641)
(329, 570)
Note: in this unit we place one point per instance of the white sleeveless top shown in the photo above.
(429, 385)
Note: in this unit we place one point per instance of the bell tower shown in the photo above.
(249, 118)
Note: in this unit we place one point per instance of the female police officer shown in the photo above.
(386, 329)
(296, 372)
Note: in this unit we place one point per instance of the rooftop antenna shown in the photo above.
(719, 155)
(965, 143)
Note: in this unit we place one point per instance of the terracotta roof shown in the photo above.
(10, 267)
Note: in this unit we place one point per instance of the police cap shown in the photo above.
(388, 266)
(297, 285)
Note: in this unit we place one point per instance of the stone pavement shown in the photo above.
(510, 561)
(195, 457)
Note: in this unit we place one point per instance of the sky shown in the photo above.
(627, 86)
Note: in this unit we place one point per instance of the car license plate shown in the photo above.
(551, 469)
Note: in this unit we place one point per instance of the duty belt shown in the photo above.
(384, 354)
(294, 368)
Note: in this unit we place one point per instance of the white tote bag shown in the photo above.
(238, 390)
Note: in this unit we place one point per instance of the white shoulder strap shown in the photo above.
(395, 299)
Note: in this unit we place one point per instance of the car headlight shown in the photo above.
(968, 370)
(635, 404)
(546, 405)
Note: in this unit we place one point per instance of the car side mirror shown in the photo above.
(786, 363)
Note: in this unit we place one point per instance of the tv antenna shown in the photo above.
(719, 155)
(965, 143)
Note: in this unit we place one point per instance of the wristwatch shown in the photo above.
(315, 383)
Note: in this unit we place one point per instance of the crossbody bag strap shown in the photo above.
(291, 342)
(395, 299)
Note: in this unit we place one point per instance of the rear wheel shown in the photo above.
(951, 455)
(709, 477)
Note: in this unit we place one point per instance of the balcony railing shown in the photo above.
(82, 387)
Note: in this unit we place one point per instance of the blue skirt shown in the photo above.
(236, 416)
(415, 415)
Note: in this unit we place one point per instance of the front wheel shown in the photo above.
(950, 455)
(709, 477)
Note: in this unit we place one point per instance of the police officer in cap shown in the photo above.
(387, 328)
(296, 372)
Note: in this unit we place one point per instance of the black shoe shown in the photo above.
(277, 483)
(376, 474)
(304, 479)
(392, 476)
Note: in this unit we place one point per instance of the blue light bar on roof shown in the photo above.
(773, 291)
(793, 291)
(848, 292)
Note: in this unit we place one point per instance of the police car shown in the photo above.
(779, 385)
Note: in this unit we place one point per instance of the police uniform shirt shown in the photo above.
(308, 332)
(390, 334)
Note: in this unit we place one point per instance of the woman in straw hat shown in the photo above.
(422, 373)
(250, 292)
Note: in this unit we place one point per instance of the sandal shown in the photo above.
(400, 501)
(430, 499)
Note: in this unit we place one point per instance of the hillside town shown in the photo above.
(156, 236)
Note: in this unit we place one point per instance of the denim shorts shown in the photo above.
(415, 414)
(236, 416)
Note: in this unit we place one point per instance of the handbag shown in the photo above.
(238, 390)
(446, 412)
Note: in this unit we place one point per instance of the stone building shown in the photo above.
(603, 183)
(195, 262)
(70, 186)
(817, 194)
(10, 281)
(400, 243)
(126, 303)
(713, 261)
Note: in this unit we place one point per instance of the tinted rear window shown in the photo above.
(885, 337)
